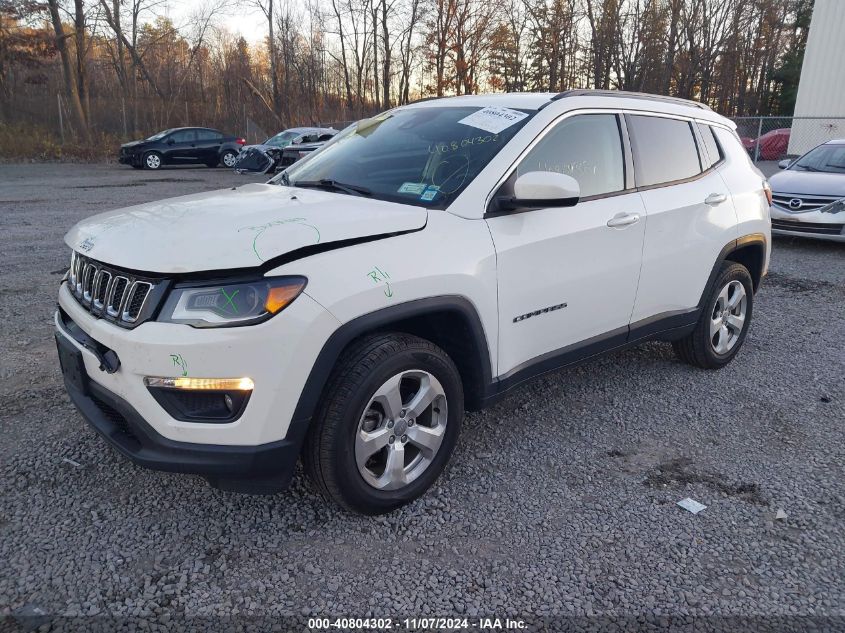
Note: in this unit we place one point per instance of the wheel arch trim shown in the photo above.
(378, 320)
(752, 239)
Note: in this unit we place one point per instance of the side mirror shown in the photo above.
(541, 190)
(784, 163)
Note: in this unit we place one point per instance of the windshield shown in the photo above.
(158, 136)
(282, 139)
(423, 156)
(827, 158)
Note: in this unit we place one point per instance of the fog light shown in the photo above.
(205, 400)
(201, 384)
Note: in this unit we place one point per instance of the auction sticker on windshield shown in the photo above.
(412, 187)
(493, 118)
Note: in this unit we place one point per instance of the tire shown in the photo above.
(152, 160)
(349, 447)
(228, 158)
(724, 321)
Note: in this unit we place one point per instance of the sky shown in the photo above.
(241, 19)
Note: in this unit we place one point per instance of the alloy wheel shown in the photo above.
(728, 317)
(401, 430)
(229, 159)
(153, 161)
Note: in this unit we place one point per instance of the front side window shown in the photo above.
(587, 147)
(664, 150)
(825, 158)
(184, 136)
(419, 155)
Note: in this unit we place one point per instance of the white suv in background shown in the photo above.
(423, 262)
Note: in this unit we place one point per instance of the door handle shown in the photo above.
(715, 198)
(623, 219)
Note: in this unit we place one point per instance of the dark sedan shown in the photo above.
(182, 146)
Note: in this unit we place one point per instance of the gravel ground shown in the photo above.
(560, 500)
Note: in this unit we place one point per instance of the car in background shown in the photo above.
(808, 196)
(293, 153)
(182, 146)
(282, 150)
(773, 144)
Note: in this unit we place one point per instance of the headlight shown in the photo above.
(225, 305)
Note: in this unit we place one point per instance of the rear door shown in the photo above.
(567, 277)
(691, 217)
(208, 145)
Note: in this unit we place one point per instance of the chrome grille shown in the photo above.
(111, 293)
(801, 203)
(101, 284)
(138, 294)
(115, 295)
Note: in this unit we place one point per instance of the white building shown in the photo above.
(821, 88)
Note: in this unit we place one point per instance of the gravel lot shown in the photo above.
(560, 500)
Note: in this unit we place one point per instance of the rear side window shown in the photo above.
(587, 147)
(664, 150)
(209, 135)
(713, 153)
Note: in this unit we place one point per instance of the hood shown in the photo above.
(808, 183)
(262, 147)
(132, 144)
(306, 147)
(242, 227)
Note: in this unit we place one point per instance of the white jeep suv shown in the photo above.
(423, 262)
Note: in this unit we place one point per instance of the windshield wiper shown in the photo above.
(808, 167)
(328, 183)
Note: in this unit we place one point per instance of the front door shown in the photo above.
(184, 148)
(567, 277)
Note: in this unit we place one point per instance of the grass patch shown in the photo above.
(33, 143)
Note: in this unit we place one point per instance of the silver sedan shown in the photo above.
(808, 196)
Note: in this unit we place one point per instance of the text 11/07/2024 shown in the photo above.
(417, 624)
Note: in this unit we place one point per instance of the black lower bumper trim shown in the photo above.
(262, 469)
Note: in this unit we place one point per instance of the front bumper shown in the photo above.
(261, 469)
(129, 159)
(265, 436)
(814, 224)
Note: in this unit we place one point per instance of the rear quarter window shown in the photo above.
(713, 153)
(664, 150)
(731, 145)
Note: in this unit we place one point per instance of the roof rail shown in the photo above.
(423, 99)
(625, 94)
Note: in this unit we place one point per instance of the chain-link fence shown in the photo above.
(767, 138)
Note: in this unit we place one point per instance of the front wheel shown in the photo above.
(387, 428)
(723, 324)
(152, 160)
(229, 158)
